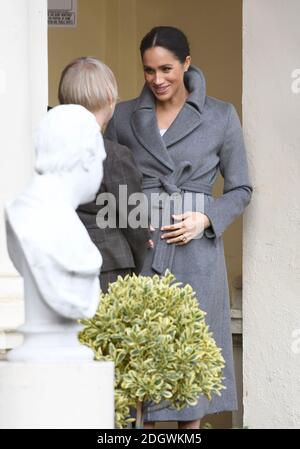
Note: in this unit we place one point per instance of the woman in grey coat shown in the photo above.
(180, 139)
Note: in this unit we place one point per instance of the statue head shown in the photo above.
(69, 145)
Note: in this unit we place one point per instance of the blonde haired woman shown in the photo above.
(90, 83)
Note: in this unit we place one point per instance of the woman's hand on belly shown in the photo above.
(189, 225)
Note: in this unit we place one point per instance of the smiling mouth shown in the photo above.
(161, 90)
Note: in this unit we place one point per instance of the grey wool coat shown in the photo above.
(205, 138)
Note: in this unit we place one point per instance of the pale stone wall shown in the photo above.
(271, 114)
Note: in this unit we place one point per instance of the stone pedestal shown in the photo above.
(51, 396)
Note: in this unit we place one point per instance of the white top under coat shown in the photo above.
(162, 131)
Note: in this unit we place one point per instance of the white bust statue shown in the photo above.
(48, 243)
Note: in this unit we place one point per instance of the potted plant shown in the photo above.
(155, 332)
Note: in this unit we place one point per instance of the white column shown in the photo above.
(271, 279)
(23, 99)
(35, 395)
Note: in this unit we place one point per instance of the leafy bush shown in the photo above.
(156, 334)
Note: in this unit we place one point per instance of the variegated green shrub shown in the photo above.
(154, 331)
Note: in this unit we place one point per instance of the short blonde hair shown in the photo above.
(88, 82)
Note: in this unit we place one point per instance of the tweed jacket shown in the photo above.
(120, 247)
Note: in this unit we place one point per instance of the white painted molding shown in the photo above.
(236, 321)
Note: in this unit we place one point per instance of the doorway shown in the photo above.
(111, 31)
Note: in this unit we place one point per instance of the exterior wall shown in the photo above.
(271, 112)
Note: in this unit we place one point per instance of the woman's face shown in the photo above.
(163, 72)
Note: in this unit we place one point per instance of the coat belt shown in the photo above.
(170, 187)
(164, 252)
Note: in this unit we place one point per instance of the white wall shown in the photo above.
(23, 99)
(271, 293)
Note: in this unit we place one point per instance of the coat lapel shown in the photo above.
(191, 115)
(144, 122)
(186, 121)
(144, 125)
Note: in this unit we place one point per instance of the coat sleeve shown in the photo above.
(237, 186)
(125, 172)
